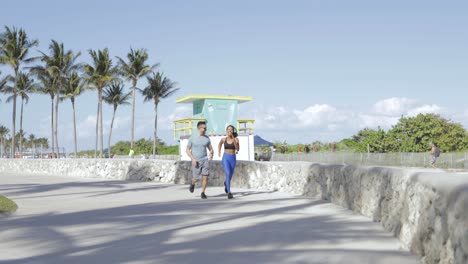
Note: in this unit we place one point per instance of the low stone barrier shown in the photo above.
(115, 169)
(426, 209)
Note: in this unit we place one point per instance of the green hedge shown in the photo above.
(7, 205)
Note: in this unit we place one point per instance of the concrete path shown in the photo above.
(75, 220)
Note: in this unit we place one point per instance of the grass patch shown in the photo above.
(7, 205)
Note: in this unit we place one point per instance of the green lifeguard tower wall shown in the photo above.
(218, 113)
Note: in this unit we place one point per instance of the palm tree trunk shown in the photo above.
(133, 114)
(21, 129)
(97, 129)
(14, 116)
(13, 133)
(56, 126)
(74, 124)
(52, 124)
(110, 132)
(155, 128)
(100, 123)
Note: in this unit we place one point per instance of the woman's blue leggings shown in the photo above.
(229, 164)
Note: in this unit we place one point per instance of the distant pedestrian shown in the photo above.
(435, 153)
(283, 149)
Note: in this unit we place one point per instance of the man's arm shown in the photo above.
(210, 148)
(189, 153)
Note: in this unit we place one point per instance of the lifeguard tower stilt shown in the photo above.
(218, 111)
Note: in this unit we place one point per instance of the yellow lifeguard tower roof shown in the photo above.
(195, 97)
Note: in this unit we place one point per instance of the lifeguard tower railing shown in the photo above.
(187, 126)
(245, 126)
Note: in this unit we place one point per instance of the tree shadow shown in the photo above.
(30, 189)
(191, 231)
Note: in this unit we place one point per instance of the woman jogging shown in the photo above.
(231, 147)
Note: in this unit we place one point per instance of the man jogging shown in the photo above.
(196, 150)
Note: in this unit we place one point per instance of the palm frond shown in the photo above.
(15, 47)
(101, 72)
(136, 65)
(114, 94)
(159, 87)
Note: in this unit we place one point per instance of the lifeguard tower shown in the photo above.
(218, 111)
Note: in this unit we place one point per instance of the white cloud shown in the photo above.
(167, 122)
(323, 122)
(144, 124)
(270, 118)
(313, 117)
(424, 109)
(401, 106)
(375, 121)
(387, 112)
(332, 127)
(282, 110)
(394, 106)
(86, 127)
(316, 115)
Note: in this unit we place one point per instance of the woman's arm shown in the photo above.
(219, 146)
(236, 144)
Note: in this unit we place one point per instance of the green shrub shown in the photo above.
(7, 205)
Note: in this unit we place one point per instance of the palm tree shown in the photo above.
(25, 86)
(12, 91)
(73, 88)
(133, 70)
(100, 74)
(3, 132)
(15, 46)
(31, 143)
(47, 86)
(114, 95)
(59, 64)
(159, 87)
(4, 81)
(32, 140)
(20, 135)
(44, 142)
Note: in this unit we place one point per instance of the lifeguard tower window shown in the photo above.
(198, 107)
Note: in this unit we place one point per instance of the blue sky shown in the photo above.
(317, 70)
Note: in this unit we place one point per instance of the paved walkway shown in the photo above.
(74, 220)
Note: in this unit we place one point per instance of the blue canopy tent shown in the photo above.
(258, 141)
